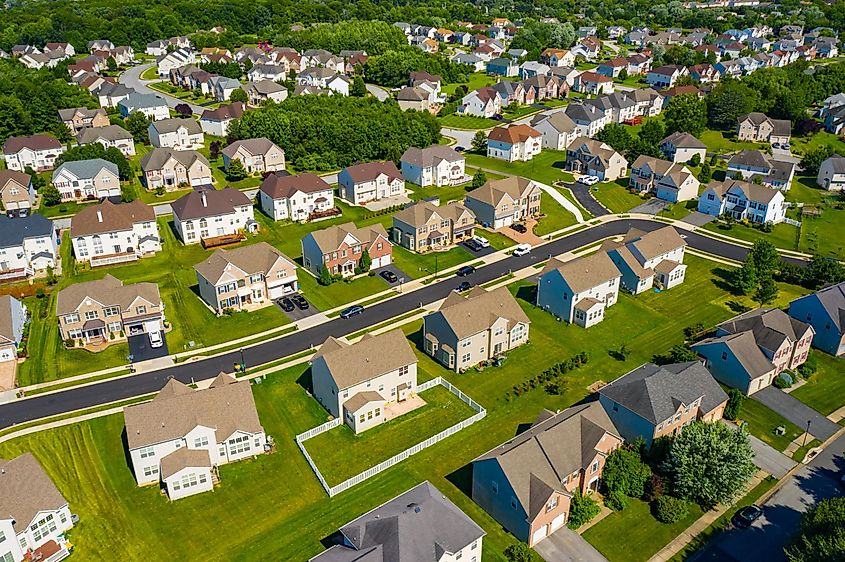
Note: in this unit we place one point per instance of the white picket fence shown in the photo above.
(480, 413)
(793, 222)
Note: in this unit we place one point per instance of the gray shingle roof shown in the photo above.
(370, 357)
(172, 125)
(25, 490)
(86, 169)
(14, 231)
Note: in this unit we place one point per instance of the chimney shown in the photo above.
(204, 201)
(99, 215)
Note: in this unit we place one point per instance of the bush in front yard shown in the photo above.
(734, 405)
(809, 366)
(518, 552)
(616, 500)
(668, 509)
(654, 488)
(783, 380)
(582, 510)
(625, 473)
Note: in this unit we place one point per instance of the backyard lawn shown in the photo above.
(802, 145)
(782, 235)
(340, 454)
(475, 80)
(456, 121)
(718, 143)
(825, 389)
(546, 167)
(615, 196)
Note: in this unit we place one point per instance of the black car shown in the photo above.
(389, 276)
(459, 149)
(352, 311)
(463, 286)
(300, 302)
(465, 270)
(473, 245)
(746, 516)
(286, 304)
(519, 228)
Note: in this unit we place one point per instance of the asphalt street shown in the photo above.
(132, 79)
(41, 406)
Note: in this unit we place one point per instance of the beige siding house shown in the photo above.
(500, 203)
(579, 291)
(258, 156)
(175, 169)
(758, 127)
(16, 191)
(424, 226)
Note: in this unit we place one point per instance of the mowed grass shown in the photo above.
(547, 167)
(825, 390)
(340, 454)
(467, 122)
(762, 422)
(615, 196)
(556, 217)
(717, 142)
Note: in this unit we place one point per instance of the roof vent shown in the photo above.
(99, 215)
(204, 201)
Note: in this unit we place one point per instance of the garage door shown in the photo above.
(152, 326)
(276, 292)
(558, 521)
(382, 261)
(539, 535)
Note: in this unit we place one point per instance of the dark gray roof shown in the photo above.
(655, 393)
(770, 326)
(14, 231)
(583, 112)
(208, 203)
(837, 163)
(832, 299)
(753, 158)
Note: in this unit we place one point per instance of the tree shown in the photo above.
(728, 101)
(479, 141)
(766, 292)
(616, 136)
(38, 181)
(582, 509)
(479, 178)
(625, 472)
(686, 113)
(518, 552)
(682, 353)
(734, 406)
(710, 463)
(111, 64)
(705, 174)
(653, 131)
(813, 159)
(137, 124)
(745, 278)
(214, 150)
(822, 271)
(63, 133)
(365, 262)
(239, 94)
(50, 195)
(236, 170)
(325, 276)
(183, 110)
(765, 257)
(358, 89)
(822, 536)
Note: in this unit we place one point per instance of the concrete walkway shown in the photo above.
(565, 203)
(565, 545)
(767, 457)
(797, 412)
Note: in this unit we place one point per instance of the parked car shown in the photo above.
(775, 145)
(746, 516)
(459, 149)
(480, 240)
(352, 311)
(463, 286)
(519, 228)
(522, 249)
(300, 302)
(588, 180)
(465, 270)
(389, 276)
(786, 146)
(473, 245)
(287, 304)
(156, 340)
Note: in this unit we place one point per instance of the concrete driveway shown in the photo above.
(565, 545)
(796, 411)
(650, 207)
(141, 350)
(698, 219)
(767, 457)
(297, 313)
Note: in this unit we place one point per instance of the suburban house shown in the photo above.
(593, 158)
(483, 102)
(79, 180)
(38, 152)
(297, 198)
(110, 95)
(468, 330)
(151, 105)
(652, 401)
(831, 174)
(619, 107)
(750, 350)
(588, 119)
(758, 127)
(96, 312)
(340, 248)
(258, 156)
(178, 134)
(272, 72)
(704, 73)
(667, 180)
(418, 525)
(371, 181)
(211, 216)
(557, 57)
(502, 66)
(743, 200)
(13, 317)
(16, 192)
(510, 92)
(648, 259)
(182, 56)
(612, 68)
(425, 226)
(109, 233)
(175, 169)
(411, 97)
(527, 483)
(265, 90)
(216, 121)
(78, 118)
(579, 291)
(593, 83)
(110, 136)
(750, 163)
(437, 165)
(245, 278)
(824, 310)
(326, 79)
(180, 438)
(649, 102)
(27, 246)
(681, 147)
(33, 513)
(531, 68)
(500, 203)
(558, 129)
(513, 143)
(665, 76)
(358, 382)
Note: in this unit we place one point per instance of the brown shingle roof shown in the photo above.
(492, 192)
(477, 311)
(25, 490)
(329, 239)
(252, 259)
(430, 156)
(224, 112)
(255, 146)
(419, 213)
(282, 187)
(108, 217)
(182, 458)
(514, 134)
(13, 145)
(106, 291)
(369, 358)
(371, 170)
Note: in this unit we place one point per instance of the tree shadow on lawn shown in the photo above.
(724, 280)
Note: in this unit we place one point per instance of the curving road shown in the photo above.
(132, 79)
(41, 406)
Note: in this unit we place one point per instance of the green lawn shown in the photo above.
(150, 74)
(447, 192)
(475, 80)
(762, 422)
(340, 454)
(467, 122)
(615, 196)
(782, 235)
(802, 145)
(546, 167)
(556, 217)
(633, 534)
(679, 210)
(825, 390)
(519, 111)
(717, 142)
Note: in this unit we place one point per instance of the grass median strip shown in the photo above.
(392, 322)
(68, 384)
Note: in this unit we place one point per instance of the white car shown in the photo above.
(156, 339)
(522, 249)
(481, 241)
(588, 180)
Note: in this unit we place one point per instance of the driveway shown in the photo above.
(141, 350)
(483, 251)
(7, 375)
(767, 457)
(296, 313)
(650, 207)
(527, 237)
(377, 92)
(796, 411)
(132, 78)
(698, 219)
(585, 198)
(403, 277)
(565, 545)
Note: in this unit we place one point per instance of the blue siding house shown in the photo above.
(825, 312)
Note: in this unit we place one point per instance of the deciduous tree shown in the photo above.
(686, 113)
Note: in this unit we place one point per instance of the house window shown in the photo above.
(2, 537)
(465, 358)
(362, 419)
(147, 452)
(403, 370)
(150, 470)
(238, 445)
(72, 318)
(141, 309)
(552, 504)
(91, 314)
(200, 442)
(513, 502)
(43, 528)
(494, 486)
(594, 468)
(724, 356)
(378, 412)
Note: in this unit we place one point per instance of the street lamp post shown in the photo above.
(243, 361)
(807, 433)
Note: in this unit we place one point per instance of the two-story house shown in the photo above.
(594, 158)
(682, 147)
(180, 438)
(483, 102)
(202, 216)
(245, 278)
(655, 401)
(109, 233)
(667, 180)
(79, 180)
(665, 76)
(297, 198)
(263, 91)
(110, 136)
(619, 107)
(13, 318)
(824, 310)
(527, 483)
(437, 165)
(258, 156)
(216, 121)
(831, 175)
(514, 143)
(104, 310)
(593, 83)
(588, 119)
(357, 382)
(557, 57)
(558, 129)
(178, 134)
(340, 249)
(78, 118)
(152, 105)
(371, 181)
(175, 169)
(758, 127)
(467, 330)
(425, 226)
(748, 164)
(579, 291)
(33, 513)
(38, 152)
(16, 192)
(27, 246)
(743, 200)
(500, 203)
(646, 259)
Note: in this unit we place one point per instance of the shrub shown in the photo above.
(668, 509)
(518, 552)
(616, 500)
(809, 366)
(783, 380)
(654, 488)
(734, 405)
(582, 510)
(39, 293)
(625, 473)
(70, 342)
(555, 388)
